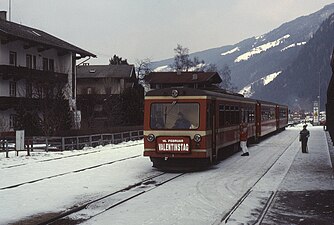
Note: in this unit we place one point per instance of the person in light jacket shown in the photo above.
(243, 138)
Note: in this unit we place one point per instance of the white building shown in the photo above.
(29, 58)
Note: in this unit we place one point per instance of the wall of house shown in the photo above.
(62, 64)
(20, 87)
(101, 86)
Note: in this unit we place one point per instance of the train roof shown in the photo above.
(270, 103)
(218, 93)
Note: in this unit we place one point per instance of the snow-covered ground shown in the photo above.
(62, 180)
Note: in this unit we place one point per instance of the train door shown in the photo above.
(258, 120)
(277, 116)
(211, 126)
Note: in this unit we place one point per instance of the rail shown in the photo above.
(43, 143)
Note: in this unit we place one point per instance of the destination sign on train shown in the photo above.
(173, 144)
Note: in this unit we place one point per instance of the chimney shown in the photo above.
(195, 77)
(3, 15)
(178, 72)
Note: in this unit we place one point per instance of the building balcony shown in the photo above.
(13, 102)
(19, 73)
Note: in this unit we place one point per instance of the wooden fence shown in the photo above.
(69, 143)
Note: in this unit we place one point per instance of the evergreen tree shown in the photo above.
(133, 106)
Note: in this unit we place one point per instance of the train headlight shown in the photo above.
(150, 138)
(197, 138)
(175, 93)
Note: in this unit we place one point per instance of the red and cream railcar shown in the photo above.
(185, 123)
(282, 116)
(266, 118)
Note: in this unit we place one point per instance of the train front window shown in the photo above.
(175, 116)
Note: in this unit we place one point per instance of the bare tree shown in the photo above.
(143, 67)
(4, 125)
(182, 61)
(49, 112)
(225, 75)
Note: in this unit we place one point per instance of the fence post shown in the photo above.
(28, 147)
(46, 144)
(90, 141)
(62, 143)
(6, 144)
(77, 143)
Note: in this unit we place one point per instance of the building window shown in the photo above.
(48, 64)
(45, 64)
(29, 61)
(51, 65)
(29, 90)
(40, 91)
(12, 89)
(34, 62)
(12, 58)
(89, 91)
(12, 121)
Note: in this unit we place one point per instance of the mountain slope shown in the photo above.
(255, 58)
(308, 76)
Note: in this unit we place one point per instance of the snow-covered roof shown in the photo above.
(13, 31)
(102, 71)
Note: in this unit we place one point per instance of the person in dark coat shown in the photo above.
(181, 122)
(303, 138)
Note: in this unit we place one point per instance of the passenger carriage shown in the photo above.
(210, 123)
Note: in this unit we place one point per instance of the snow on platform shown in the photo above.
(298, 189)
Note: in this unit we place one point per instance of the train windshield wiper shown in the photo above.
(167, 111)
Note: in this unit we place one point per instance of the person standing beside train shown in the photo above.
(303, 138)
(243, 138)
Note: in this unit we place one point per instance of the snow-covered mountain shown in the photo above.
(255, 60)
(307, 77)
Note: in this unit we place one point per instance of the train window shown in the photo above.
(228, 115)
(174, 115)
(221, 115)
(209, 116)
(243, 115)
(235, 116)
(251, 116)
(282, 113)
(272, 113)
(227, 118)
(264, 115)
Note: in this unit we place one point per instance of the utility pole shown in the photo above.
(10, 10)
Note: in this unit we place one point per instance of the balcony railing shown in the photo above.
(11, 102)
(18, 73)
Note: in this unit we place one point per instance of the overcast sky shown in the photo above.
(139, 29)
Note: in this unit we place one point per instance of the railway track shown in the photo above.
(64, 157)
(88, 210)
(68, 172)
(270, 194)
